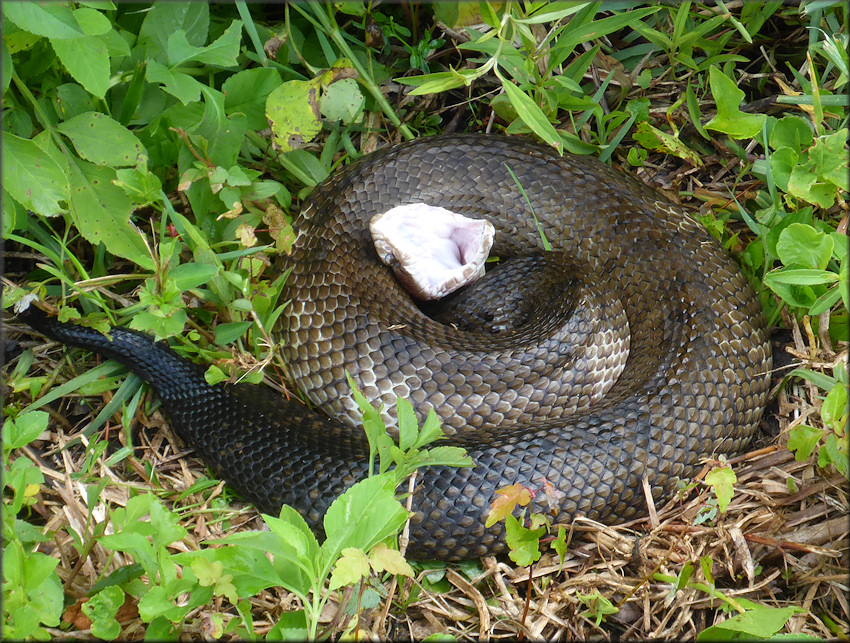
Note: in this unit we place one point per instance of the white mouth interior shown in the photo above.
(433, 251)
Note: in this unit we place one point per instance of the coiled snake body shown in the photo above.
(682, 325)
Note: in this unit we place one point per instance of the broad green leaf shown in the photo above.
(101, 212)
(730, 119)
(721, 480)
(802, 440)
(759, 622)
(229, 332)
(52, 20)
(182, 86)
(293, 110)
(164, 18)
(32, 177)
(246, 92)
(20, 431)
(192, 275)
(87, 60)
(101, 609)
(791, 132)
(222, 52)
(91, 21)
(801, 245)
(366, 514)
(102, 140)
(343, 101)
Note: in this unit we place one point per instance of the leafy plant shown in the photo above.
(32, 591)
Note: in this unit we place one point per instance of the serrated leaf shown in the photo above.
(721, 481)
(366, 514)
(102, 140)
(349, 568)
(408, 425)
(386, 559)
(87, 60)
(32, 177)
(524, 543)
(49, 19)
(101, 212)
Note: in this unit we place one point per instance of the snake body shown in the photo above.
(683, 340)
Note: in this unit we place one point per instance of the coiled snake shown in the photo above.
(694, 347)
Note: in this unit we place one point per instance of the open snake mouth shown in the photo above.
(433, 251)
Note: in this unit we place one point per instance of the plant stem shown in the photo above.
(329, 26)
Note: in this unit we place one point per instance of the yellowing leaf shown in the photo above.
(509, 497)
(385, 559)
(350, 568)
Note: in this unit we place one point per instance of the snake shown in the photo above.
(646, 294)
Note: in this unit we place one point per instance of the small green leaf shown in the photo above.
(791, 132)
(20, 431)
(730, 119)
(102, 140)
(803, 246)
(524, 543)
(802, 440)
(101, 609)
(343, 101)
(834, 409)
(721, 481)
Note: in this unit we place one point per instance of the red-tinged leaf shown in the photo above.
(509, 497)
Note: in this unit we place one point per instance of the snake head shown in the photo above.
(433, 251)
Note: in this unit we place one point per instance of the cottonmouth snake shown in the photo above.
(694, 383)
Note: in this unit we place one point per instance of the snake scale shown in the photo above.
(694, 374)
